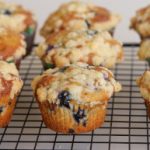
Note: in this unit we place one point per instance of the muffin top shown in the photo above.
(144, 51)
(12, 45)
(79, 15)
(10, 82)
(90, 46)
(144, 84)
(141, 22)
(15, 17)
(81, 84)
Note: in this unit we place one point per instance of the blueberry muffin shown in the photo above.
(19, 19)
(90, 46)
(144, 51)
(10, 86)
(144, 83)
(77, 15)
(73, 99)
(140, 23)
(12, 46)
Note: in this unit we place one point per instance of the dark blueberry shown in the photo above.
(63, 69)
(7, 12)
(79, 115)
(1, 109)
(64, 97)
(87, 23)
(49, 48)
(71, 131)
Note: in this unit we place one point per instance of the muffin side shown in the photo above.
(144, 84)
(10, 86)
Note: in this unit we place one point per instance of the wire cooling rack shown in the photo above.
(126, 126)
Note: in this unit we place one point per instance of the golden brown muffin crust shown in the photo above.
(77, 15)
(9, 43)
(90, 46)
(141, 22)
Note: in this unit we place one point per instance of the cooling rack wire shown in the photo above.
(126, 125)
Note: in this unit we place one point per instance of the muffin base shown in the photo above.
(143, 39)
(147, 104)
(61, 119)
(5, 117)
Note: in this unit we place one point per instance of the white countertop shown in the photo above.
(126, 8)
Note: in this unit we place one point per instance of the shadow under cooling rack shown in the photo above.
(126, 125)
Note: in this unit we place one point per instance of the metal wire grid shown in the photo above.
(126, 126)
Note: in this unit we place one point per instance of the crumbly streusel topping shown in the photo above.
(90, 46)
(79, 15)
(141, 22)
(81, 84)
(12, 45)
(9, 75)
(15, 16)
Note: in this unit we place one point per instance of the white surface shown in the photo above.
(126, 8)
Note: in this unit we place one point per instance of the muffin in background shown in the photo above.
(19, 19)
(10, 84)
(73, 99)
(90, 46)
(144, 84)
(12, 46)
(140, 22)
(77, 15)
